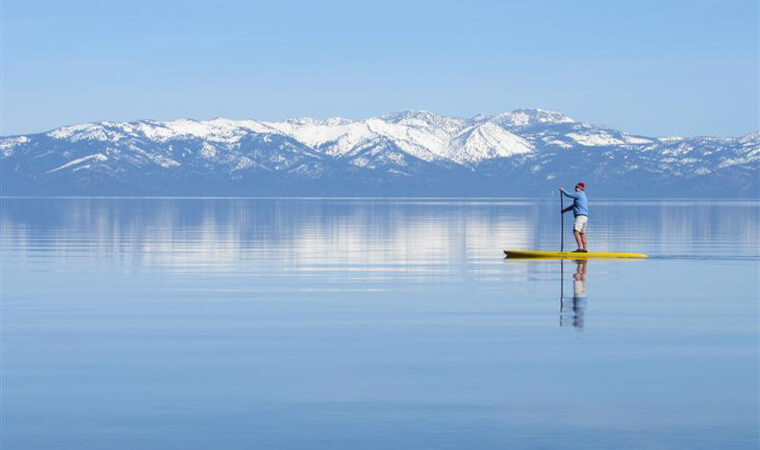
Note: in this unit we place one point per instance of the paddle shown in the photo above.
(561, 222)
(561, 261)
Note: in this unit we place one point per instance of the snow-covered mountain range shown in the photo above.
(524, 152)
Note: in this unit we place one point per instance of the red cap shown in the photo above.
(581, 185)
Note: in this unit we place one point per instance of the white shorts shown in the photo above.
(581, 223)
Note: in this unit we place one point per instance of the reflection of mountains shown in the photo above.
(188, 233)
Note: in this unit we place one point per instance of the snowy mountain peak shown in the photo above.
(530, 117)
(310, 121)
(488, 140)
(424, 119)
(753, 138)
(409, 114)
(79, 132)
(218, 129)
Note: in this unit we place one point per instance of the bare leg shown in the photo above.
(583, 241)
(578, 240)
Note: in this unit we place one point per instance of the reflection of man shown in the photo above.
(579, 297)
(579, 294)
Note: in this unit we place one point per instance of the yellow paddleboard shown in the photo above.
(569, 255)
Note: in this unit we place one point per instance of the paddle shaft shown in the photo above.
(561, 222)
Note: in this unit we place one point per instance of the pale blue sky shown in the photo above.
(650, 67)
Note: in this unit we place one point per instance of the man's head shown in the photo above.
(581, 186)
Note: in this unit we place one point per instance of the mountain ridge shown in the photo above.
(525, 151)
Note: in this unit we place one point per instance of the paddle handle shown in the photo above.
(561, 222)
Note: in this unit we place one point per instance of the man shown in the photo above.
(580, 211)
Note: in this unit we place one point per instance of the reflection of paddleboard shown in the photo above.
(569, 255)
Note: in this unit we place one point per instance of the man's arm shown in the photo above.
(572, 195)
(569, 208)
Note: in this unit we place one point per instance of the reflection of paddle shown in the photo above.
(561, 222)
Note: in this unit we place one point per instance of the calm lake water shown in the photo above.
(376, 324)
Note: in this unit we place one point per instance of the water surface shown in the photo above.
(375, 324)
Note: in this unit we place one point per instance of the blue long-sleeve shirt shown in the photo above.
(580, 203)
